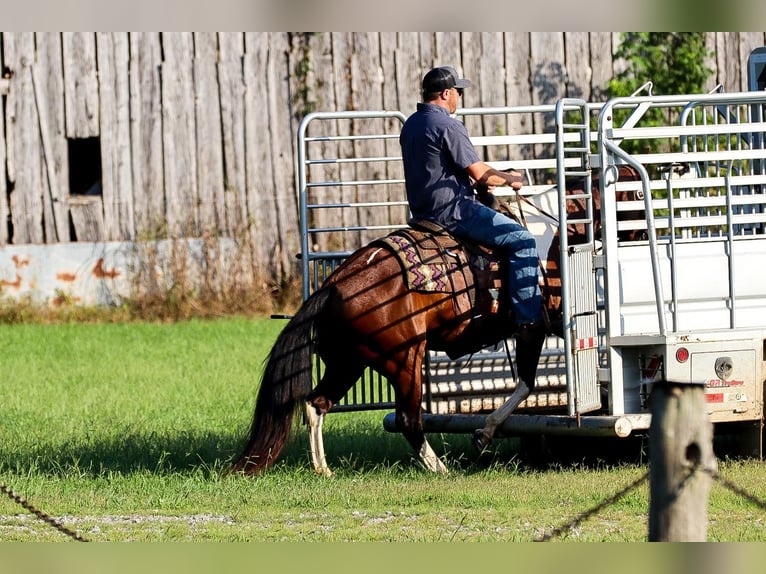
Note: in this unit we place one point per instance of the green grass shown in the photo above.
(124, 432)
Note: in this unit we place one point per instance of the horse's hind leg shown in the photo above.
(337, 379)
(528, 350)
(316, 443)
(408, 407)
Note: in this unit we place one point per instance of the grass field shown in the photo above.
(124, 432)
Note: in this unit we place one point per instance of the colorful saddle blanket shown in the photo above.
(434, 261)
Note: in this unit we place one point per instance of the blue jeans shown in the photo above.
(493, 229)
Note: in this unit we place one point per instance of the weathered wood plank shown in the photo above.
(26, 198)
(491, 87)
(578, 72)
(409, 73)
(48, 86)
(19, 52)
(389, 42)
(178, 135)
(87, 217)
(600, 64)
(447, 52)
(427, 54)
(80, 84)
(4, 209)
(146, 134)
(518, 91)
(323, 85)
(470, 68)
(209, 137)
(710, 61)
(282, 133)
(116, 174)
(261, 195)
(342, 48)
(546, 56)
(231, 45)
(231, 204)
(367, 88)
(728, 61)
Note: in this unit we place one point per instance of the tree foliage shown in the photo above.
(675, 64)
(673, 61)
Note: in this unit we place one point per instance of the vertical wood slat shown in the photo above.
(323, 87)
(80, 84)
(393, 170)
(116, 173)
(367, 88)
(600, 44)
(518, 91)
(48, 87)
(261, 202)
(342, 48)
(25, 161)
(18, 48)
(491, 74)
(178, 135)
(4, 210)
(470, 45)
(146, 134)
(282, 130)
(208, 134)
(547, 74)
(577, 74)
(233, 200)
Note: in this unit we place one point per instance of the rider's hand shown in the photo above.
(515, 179)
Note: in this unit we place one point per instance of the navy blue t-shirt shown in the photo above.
(436, 151)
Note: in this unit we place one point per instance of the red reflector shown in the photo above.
(682, 354)
(714, 398)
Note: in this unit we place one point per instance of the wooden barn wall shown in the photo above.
(196, 131)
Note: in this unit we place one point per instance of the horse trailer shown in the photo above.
(667, 284)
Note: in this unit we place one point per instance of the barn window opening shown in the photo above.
(84, 166)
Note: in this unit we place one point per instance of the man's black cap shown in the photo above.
(443, 78)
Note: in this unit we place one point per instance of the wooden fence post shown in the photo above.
(681, 462)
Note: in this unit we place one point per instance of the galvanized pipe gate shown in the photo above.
(629, 307)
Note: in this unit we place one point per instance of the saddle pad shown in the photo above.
(432, 277)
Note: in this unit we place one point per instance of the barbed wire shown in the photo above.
(736, 489)
(40, 514)
(583, 516)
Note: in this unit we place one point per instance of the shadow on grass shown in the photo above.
(356, 446)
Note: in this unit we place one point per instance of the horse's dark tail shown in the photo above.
(287, 379)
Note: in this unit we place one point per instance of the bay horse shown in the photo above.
(365, 315)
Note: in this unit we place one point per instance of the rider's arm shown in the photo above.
(483, 174)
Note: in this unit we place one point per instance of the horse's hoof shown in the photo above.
(480, 440)
(323, 472)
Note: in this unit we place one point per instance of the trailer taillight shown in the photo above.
(682, 354)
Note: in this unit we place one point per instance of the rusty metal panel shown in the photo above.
(103, 273)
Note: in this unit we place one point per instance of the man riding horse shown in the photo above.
(442, 170)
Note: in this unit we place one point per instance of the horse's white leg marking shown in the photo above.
(430, 459)
(374, 253)
(497, 417)
(316, 444)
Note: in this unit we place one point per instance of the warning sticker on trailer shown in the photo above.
(726, 397)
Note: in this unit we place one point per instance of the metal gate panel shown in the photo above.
(584, 395)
